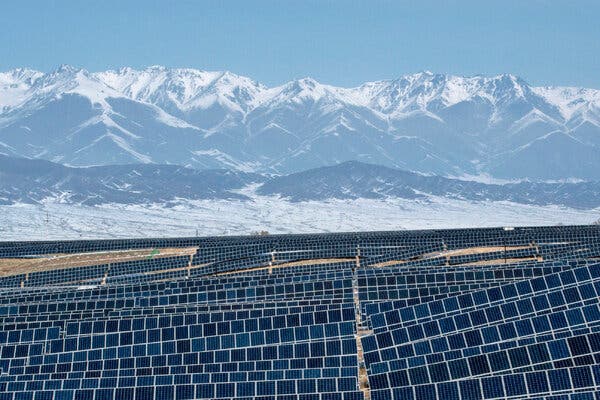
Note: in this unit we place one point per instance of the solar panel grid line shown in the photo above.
(363, 236)
(579, 314)
(321, 304)
(463, 321)
(409, 269)
(374, 307)
(287, 268)
(444, 278)
(208, 283)
(380, 306)
(158, 375)
(267, 310)
(378, 255)
(521, 371)
(392, 291)
(11, 325)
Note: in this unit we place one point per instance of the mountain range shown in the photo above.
(31, 181)
(427, 123)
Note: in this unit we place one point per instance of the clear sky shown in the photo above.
(547, 42)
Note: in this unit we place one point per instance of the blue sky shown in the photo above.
(339, 42)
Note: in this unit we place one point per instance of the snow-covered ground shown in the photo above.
(275, 215)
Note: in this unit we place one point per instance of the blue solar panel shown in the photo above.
(453, 314)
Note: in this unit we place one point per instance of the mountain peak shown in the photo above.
(159, 68)
(306, 83)
(19, 76)
(67, 69)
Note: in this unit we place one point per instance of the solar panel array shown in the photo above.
(453, 314)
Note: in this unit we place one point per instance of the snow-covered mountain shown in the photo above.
(430, 123)
(355, 180)
(38, 181)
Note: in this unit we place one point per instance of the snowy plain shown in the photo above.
(54, 221)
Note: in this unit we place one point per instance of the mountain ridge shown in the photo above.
(355, 180)
(424, 122)
(34, 181)
(126, 81)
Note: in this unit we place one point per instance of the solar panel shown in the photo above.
(457, 314)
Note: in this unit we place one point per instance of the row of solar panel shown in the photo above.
(127, 307)
(315, 367)
(214, 323)
(215, 249)
(473, 342)
(210, 293)
(9, 333)
(375, 307)
(544, 355)
(146, 338)
(565, 281)
(326, 389)
(498, 319)
(528, 384)
(383, 291)
(296, 241)
(188, 364)
(264, 279)
(219, 283)
(212, 314)
(186, 314)
(319, 353)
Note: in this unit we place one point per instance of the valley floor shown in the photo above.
(190, 218)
